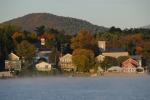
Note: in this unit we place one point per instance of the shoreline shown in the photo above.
(113, 74)
(108, 75)
(86, 75)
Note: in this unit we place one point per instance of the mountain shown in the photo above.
(67, 24)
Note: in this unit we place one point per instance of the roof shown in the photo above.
(13, 56)
(43, 62)
(100, 56)
(44, 49)
(130, 61)
(114, 50)
(66, 56)
(115, 54)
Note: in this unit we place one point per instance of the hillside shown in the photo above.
(69, 25)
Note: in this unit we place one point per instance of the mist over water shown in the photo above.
(76, 88)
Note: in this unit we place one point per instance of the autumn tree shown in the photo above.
(138, 50)
(49, 39)
(83, 40)
(25, 35)
(132, 43)
(30, 36)
(146, 52)
(17, 36)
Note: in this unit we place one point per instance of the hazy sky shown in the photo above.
(119, 13)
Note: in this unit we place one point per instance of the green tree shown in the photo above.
(109, 62)
(26, 50)
(40, 30)
(86, 61)
(6, 43)
(112, 39)
(81, 61)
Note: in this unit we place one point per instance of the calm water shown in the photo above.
(60, 88)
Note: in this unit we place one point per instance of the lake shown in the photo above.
(76, 88)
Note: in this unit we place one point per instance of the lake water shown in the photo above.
(76, 88)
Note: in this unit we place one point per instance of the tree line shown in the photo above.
(82, 45)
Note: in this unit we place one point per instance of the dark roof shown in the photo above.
(114, 50)
(37, 45)
(44, 49)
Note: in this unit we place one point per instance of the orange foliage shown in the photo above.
(138, 38)
(138, 50)
(16, 34)
(47, 36)
(84, 40)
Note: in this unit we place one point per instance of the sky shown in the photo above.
(118, 13)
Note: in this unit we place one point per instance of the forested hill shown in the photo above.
(67, 24)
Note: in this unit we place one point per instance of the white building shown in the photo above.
(13, 62)
(43, 66)
(66, 62)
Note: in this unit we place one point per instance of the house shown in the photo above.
(43, 66)
(66, 63)
(13, 62)
(130, 65)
